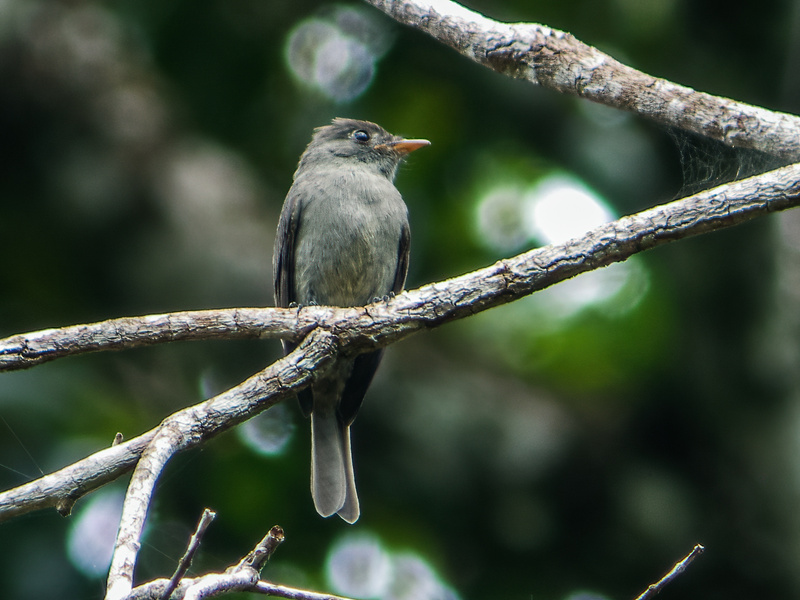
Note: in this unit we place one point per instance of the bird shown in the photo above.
(343, 240)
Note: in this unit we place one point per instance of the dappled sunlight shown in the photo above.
(360, 566)
(553, 210)
(336, 54)
(559, 208)
(270, 432)
(586, 595)
(500, 221)
(91, 537)
(587, 320)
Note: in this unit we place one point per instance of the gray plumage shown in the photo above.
(342, 240)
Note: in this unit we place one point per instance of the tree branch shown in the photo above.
(62, 488)
(557, 60)
(653, 589)
(258, 556)
(190, 427)
(281, 591)
(29, 350)
(243, 576)
(365, 328)
(168, 440)
(186, 560)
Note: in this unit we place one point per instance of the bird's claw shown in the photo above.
(384, 298)
(298, 306)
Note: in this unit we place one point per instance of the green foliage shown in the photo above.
(533, 451)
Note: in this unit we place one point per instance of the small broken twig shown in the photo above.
(186, 560)
(240, 577)
(679, 568)
(258, 556)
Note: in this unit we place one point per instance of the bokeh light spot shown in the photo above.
(343, 69)
(91, 538)
(618, 288)
(336, 54)
(560, 208)
(414, 579)
(268, 433)
(358, 566)
(585, 595)
(500, 219)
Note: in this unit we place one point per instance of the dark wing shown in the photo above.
(402, 260)
(365, 365)
(283, 272)
(283, 256)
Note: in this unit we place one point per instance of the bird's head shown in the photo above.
(350, 142)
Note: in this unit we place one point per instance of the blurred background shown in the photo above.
(574, 444)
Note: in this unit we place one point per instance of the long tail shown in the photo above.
(333, 484)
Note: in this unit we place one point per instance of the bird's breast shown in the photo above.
(347, 248)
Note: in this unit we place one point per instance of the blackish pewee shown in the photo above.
(342, 240)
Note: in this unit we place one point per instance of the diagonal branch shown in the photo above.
(168, 441)
(360, 329)
(653, 589)
(62, 488)
(186, 560)
(379, 324)
(190, 426)
(557, 60)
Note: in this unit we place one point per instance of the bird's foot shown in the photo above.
(385, 298)
(298, 306)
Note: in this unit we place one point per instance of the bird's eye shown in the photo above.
(361, 136)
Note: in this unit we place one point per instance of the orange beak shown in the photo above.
(405, 146)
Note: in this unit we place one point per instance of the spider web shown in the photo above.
(707, 163)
